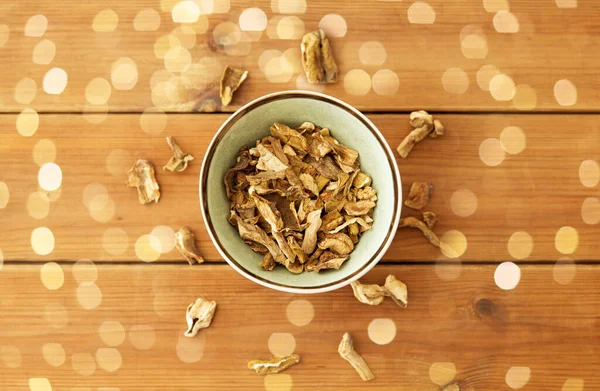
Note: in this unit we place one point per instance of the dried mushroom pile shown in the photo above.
(299, 198)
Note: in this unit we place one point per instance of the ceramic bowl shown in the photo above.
(252, 122)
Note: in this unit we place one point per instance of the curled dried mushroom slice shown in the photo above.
(368, 293)
(268, 262)
(429, 234)
(339, 243)
(317, 58)
(424, 125)
(347, 352)
(359, 208)
(230, 81)
(397, 290)
(185, 243)
(310, 236)
(289, 136)
(199, 315)
(179, 160)
(141, 176)
(430, 219)
(419, 195)
(274, 364)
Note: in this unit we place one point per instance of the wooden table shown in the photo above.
(93, 296)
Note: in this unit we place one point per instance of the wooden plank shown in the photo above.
(537, 191)
(483, 331)
(418, 54)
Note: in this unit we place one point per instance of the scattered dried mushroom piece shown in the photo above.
(274, 364)
(298, 197)
(179, 160)
(230, 81)
(374, 294)
(141, 176)
(317, 58)
(424, 125)
(199, 316)
(419, 195)
(347, 352)
(185, 243)
(430, 219)
(429, 234)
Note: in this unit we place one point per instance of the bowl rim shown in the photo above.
(224, 128)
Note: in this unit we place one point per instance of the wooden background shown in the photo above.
(527, 196)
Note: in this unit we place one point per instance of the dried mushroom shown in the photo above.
(179, 160)
(430, 219)
(185, 243)
(429, 234)
(424, 125)
(298, 197)
(141, 176)
(419, 195)
(451, 387)
(317, 58)
(347, 352)
(274, 364)
(230, 81)
(374, 294)
(199, 316)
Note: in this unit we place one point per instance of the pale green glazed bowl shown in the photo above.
(252, 122)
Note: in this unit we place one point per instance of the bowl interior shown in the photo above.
(254, 124)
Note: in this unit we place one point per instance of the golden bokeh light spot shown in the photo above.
(105, 21)
(267, 56)
(190, 350)
(25, 90)
(385, 82)
(456, 243)
(334, 25)
(278, 382)
(253, 19)
(275, 70)
(55, 81)
(442, 373)
(448, 270)
(124, 74)
(96, 192)
(566, 4)
(83, 364)
(506, 22)
(382, 331)
(292, 61)
(288, 6)
(118, 162)
(28, 121)
(53, 353)
(56, 315)
(142, 337)
(282, 344)
(183, 36)
(420, 12)
(513, 140)
(36, 26)
(10, 356)
(38, 205)
(52, 276)
(4, 195)
(300, 312)
(147, 19)
(455, 81)
(115, 241)
(272, 26)
(357, 82)
(520, 245)
(507, 276)
(219, 6)
(43, 52)
(98, 91)
(517, 377)
(178, 59)
(491, 152)
(102, 209)
(163, 239)
(502, 87)
(95, 114)
(290, 27)
(372, 53)
(39, 384)
(145, 248)
(573, 384)
(590, 210)
(4, 34)
(162, 45)
(153, 121)
(42, 241)
(564, 271)
(44, 151)
(565, 92)
(303, 84)
(112, 333)
(85, 270)
(485, 75)
(185, 12)
(496, 5)
(566, 240)
(463, 202)
(589, 173)
(474, 46)
(525, 97)
(227, 33)
(89, 295)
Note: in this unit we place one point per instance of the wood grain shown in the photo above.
(550, 328)
(537, 191)
(549, 46)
